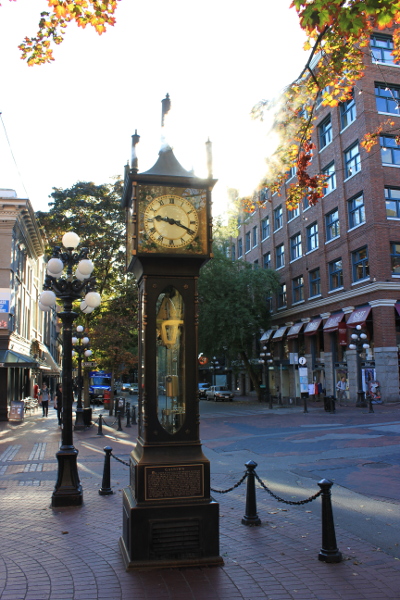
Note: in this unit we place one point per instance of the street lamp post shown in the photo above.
(80, 348)
(359, 344)
(68, 287)
(266, 360)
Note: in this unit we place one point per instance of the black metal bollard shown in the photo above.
(100, 429)
(251, 517)
(128, 415)
(105, 489)
(134, 415)
(329, 551)
(305, 404)
(119, 421)
(370, 409)
(333, 404)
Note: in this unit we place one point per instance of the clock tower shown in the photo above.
(169, 517)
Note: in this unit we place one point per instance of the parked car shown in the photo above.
(134, 388)
(127, 387)
(219, 392)
(203, 387)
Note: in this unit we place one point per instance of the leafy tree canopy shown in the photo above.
(338, 34)
(233, 306)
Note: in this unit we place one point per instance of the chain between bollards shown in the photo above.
(105, 489)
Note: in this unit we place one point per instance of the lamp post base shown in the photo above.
(68, 490)
(79, 420)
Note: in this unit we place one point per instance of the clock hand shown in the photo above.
(173, 222)
(183, 226)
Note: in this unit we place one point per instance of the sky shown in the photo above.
(72, 120)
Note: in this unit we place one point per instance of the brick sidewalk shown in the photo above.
(73, 554)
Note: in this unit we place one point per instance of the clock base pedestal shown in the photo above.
(169, 535)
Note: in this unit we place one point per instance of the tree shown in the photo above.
(233, 308)
(338, 36)
(99, 14)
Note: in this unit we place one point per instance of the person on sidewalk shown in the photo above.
(58, 402)
(341, 389)
(44, 398)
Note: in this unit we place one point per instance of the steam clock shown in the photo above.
(169, 517)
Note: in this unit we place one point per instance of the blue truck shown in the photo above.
(99, 383)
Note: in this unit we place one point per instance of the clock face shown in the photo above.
(171, 221)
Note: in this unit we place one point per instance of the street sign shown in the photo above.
(90, 364)
(302, 360)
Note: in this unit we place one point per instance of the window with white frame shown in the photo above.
(356, 211)
(387, 98)
(381, 48)
(267, 260)
(352, 161)
(293, 213)
(247, 242)
(330, 180)
(265, 232)
(332, 225)
(298, 289)
(254, 236)
(233, 252)
(282, 295)
(314, 279)
(240, 248)
(278, 217)
(279, 256)
(295, 246)
(312, 237)
(347, 113)
(360, 264)
(395, 257)
(335, 271)
(390, 151)
(325, 132)
(392, 199)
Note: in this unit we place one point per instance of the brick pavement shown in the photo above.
(73, 553)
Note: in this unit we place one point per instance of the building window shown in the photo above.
(306, 203)
(360, 265)
(292, 172)
(248, 241)
(282, 295)
(295, 247)
(330, 180)
(347, 113)
(254, 235)
(352, 161)
(381, 48)
(240, 248)
(392, 199)
(325, 132)
(265, 228)
(335, 270)
(233, 252)
(387, 98)
(278, 218)
(332, 225)
(395, 257)
(280, 256)
(390, 151)
(315, 282)
(298, 289)
(312, 237)
(264, 195)
(255, 264)
(292, 214)
(267, 260)
(356, 211)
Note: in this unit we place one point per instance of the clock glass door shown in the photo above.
(170, 366)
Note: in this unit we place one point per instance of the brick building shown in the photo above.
(339, 261)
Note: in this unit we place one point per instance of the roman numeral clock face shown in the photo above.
(172, 223)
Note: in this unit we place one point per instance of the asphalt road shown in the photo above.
(355, 449)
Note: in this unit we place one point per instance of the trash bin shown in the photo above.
(87, 417)
(329, 403)
(120, 406)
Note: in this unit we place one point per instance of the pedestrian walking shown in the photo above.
(341, 388)
(44, 399)
(58, 402)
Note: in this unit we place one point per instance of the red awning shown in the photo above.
(294, 331)
(279, 333)
(312, 327)
(358, 316)
(266, 335)
(332, 323)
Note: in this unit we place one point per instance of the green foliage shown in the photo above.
(233, 307)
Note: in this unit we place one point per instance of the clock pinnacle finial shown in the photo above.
(165, 108)
(134, 158)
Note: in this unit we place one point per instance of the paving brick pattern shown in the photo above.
(73, 553)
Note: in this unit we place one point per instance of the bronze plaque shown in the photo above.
(174, 481)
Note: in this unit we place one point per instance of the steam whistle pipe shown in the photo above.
(251, 517)
(329, 552)
(105, 489)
